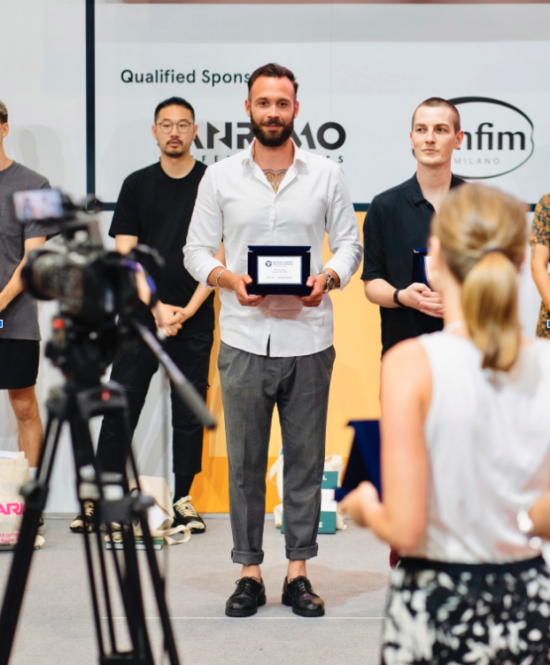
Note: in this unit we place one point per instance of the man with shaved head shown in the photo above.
(398, 221)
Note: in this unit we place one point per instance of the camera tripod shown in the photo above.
(82, 397)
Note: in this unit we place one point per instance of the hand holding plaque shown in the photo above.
(430, 301)
(421, 266)
(279, 270)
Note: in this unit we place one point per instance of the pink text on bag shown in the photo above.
(11, 508)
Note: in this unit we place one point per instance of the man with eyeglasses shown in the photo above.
(154, 208)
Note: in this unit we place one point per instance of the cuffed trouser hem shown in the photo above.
(247, 558)
(302, 553)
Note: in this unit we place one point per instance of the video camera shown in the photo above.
(90, 283)
(93, 285)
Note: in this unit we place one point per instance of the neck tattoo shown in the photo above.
(275, 178)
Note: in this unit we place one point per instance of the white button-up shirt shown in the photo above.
(236, 203)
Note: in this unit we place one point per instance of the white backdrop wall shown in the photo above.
(42, 82)
(364, 67)
(362, 70)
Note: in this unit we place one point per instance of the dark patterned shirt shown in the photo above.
(540, 235)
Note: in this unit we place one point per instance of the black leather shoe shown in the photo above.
(302, 598)
(248, 596)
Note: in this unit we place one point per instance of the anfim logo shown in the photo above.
(498, 138)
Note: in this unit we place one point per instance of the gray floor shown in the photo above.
(350, 573)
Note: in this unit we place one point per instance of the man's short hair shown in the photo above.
(434, 102)
(3, 113)
(174, 101)
(274, 71)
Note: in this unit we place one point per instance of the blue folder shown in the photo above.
(364, 458)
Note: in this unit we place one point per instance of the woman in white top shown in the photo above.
(465, 450)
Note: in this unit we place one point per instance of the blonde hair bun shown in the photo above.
(483, 234)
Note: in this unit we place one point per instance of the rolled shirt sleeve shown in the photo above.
(343, 232)
(205, 232)
(374, 264)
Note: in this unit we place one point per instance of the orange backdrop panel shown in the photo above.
(353, 394)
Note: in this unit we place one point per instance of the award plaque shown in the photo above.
(279, 270)
(421, 266)
(364, 458)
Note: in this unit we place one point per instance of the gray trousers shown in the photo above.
(251, 387)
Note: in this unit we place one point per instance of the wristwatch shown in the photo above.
(331, 284)
(396, 299)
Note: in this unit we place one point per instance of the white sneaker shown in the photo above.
(188, 516)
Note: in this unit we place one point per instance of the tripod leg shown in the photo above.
(84, 457)
(156, 578)
(108, 486)
(106, 592)
(36, 494)
(133, 598)
(159, 588)
(117, 504)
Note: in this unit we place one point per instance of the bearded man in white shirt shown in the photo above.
(276, 349)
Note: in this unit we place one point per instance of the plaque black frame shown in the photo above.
(419, 266)
(254, 253)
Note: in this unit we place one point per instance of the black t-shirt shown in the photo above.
(398, 220)
(157, 209)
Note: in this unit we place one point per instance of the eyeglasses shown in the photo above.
(183, 126)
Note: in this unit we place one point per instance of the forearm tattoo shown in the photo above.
(275, 178)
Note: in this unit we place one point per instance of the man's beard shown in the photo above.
(270, 139)
(174, 151)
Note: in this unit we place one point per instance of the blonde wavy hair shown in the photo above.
(483, 234)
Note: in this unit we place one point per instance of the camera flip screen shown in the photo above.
(38, 205)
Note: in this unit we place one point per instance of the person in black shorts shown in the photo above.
(19, 330)
(154, 208)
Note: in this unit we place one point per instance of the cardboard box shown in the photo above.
(327, 522)
(330, 480)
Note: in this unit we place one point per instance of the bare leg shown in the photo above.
(296, 569)
(252, 571)
(30, 432)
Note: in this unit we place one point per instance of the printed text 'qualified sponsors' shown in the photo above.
(206, 77)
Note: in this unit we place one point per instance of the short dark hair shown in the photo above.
(434, 102)
(275, 71)
(3, 113)
(174, 101)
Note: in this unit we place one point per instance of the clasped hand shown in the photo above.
(421, 297)
(169, 318)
